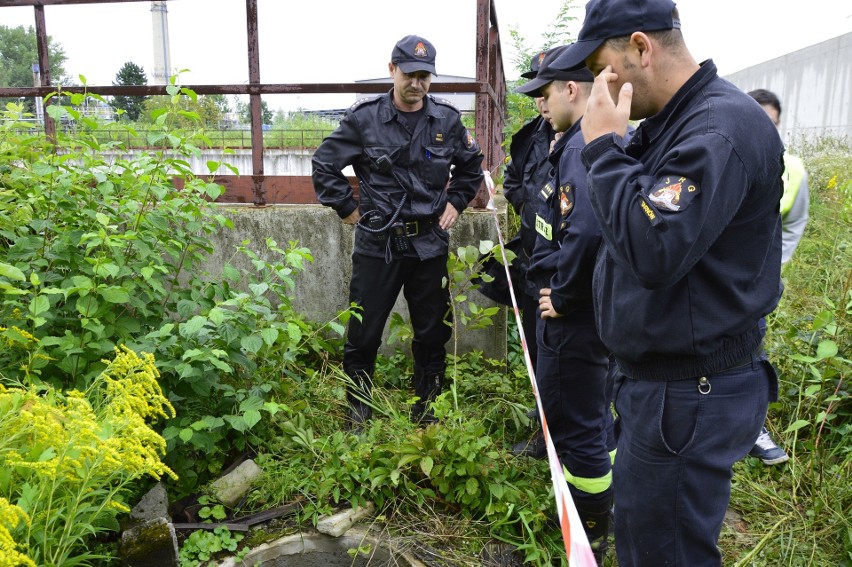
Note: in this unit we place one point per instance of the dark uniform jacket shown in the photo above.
(568, 236)
(373, 132)
(526, 173)
(689, 213)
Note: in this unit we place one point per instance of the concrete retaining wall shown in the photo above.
(322, 290)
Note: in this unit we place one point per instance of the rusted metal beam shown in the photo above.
(253, 49)
(44, 69)
(260, 89)
(489, 86)
(4, 3)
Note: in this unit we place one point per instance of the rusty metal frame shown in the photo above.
(489, 87)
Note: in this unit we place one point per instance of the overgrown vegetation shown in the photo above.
(97, 255)
(801, 513)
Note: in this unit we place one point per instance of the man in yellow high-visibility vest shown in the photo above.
(794, 218)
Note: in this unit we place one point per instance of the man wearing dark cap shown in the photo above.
(689, 212)
(572, 363)
(401, 146)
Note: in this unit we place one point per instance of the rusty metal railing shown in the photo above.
(489, 87)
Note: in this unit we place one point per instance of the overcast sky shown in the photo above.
(344, 41)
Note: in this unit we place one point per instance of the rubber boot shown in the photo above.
(358, 395)
(594, 512)
(427, 386)
(535, 447)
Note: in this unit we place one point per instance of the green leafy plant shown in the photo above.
(202, 545)
(210, 509)
(98, 251)
(463, 268)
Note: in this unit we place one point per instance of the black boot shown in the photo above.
(594, 512)
(535, 447)
(357, 417)
(427, 386)
(358, 395)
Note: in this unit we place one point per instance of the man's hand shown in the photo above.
(554, 140)
(449, 218)
(353, 217)
(545, 305)
(603, 115)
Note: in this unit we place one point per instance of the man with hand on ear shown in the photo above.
(689, 214)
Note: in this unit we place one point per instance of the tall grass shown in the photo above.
(800, 513)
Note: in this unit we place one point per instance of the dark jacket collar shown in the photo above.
(388, 111)
(653, 126)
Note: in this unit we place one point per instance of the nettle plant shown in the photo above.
(97, 252)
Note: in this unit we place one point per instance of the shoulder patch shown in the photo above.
(673, 193)
(566, 199)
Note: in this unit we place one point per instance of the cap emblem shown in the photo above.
(420, 50)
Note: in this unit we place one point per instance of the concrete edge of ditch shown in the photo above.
(316, 542)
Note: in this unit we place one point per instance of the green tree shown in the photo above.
(519, 107)
(244, 112)
(130, 74)
(18, 53)
(206, 107)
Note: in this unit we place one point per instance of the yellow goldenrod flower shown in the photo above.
(10, 517)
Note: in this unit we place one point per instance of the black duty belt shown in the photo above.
(415, 227)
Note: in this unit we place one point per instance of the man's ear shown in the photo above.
(390, 69)
(643, 46)
(573, 89)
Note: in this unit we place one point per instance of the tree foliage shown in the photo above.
(521, 108)
(130, 74)
(206, 108)
(244, 112)
(18, 52)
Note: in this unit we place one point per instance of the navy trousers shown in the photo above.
(676, 448)
(571, 377)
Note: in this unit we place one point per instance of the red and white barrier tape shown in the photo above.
(577, 548)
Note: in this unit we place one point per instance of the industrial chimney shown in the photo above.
(162, 54)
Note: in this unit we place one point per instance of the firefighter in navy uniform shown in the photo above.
(691, 262)
(402, 146)
(572, 361)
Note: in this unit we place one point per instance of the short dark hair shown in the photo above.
(765, 97)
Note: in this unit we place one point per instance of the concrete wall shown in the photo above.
(814, 85)
(322, 290)
(276, 162)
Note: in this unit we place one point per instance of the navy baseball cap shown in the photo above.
(535, 63)
(413, 53)
(606, 19)
(547, 73)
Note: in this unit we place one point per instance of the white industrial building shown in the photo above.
(814, 85)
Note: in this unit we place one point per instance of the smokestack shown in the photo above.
(162, 54)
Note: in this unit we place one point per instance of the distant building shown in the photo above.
(814, 85)
(466, 102)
